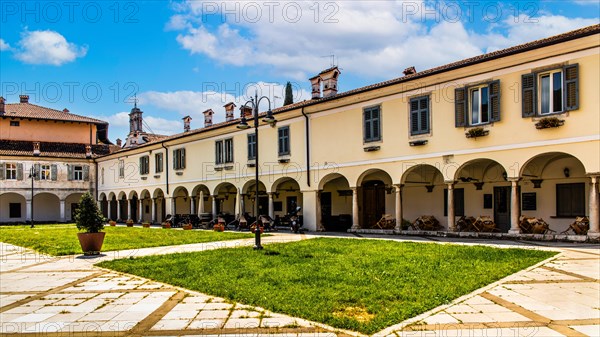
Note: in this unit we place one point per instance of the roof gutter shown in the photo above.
(307, 129)
(166, 163)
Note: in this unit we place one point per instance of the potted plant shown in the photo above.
(89, 219)
(219, 227)
(166, 225)
(187, 226)
(146, 224)
(112, 223)
(549, 122)
(129, 223)
(476, 132)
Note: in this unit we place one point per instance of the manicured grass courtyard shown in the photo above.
(62, 239)
(362, 285)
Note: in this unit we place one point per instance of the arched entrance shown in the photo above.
(482, 188)
(104, 204)
(46, 207)
(159, 214)
(122, 209)
(336, 203)
(134, 206)
(375, 197)
(113, 205)
(554, 187)
(71, 205)
(285, 197)
(224, 200)
(248, 204)
(13, 207)
(423, 193)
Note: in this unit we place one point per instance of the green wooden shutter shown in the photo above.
(175, 158)
(367, 125)
(414, 116)
(376, 123)
(571, 87)
(141, 166)
(2, 170)
(19, 171)
(424, 114)
(70, 172)
(38, 172)
(53, 172)
(182, 158)
(494, 91)
(528, 95)
(86, 173)
(460, 107)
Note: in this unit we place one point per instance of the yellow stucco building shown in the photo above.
(509, 133)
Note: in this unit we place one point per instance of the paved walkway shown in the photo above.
(68, 296)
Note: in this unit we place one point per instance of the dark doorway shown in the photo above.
(373, 202)
(133, 203)
(74, 207)
(502, 208)
(263, 205)
(326, 210)
(291, 203)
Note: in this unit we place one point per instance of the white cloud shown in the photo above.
(47, 47)
(372, 39)
(4, 45)
(119, 123)
(193, 103)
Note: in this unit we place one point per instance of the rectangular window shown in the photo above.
(179, 159)
(78, 173)
(11, 171)
(45, 172)
(551, 92)
(372, 124)
(480, 113)
(144, 165)
(252, 146)
(219, 152)
(158, 163)
(15, 123)
(570, 200)
(14, 210)
(284, 140)
(419, 115)
(228, 156)
(121, 168)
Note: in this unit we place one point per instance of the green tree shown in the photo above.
(87, 216)
(289, 95)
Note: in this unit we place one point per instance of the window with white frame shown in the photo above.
(479, 105)
(45, 172)
(11, 171)
(550, 92)
(219, 152)
(78, 173)
(228, 147)
(283, 146)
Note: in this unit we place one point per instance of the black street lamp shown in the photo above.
(32, 175)
(254, 103)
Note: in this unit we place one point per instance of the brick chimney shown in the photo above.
(24, 98)
(2, 107)
(118, 141)
(315, 83)
(36, 148)
(88, 151)
(208, 117)
(229, 111)
(186, 123)
(246, 111)
(409, 71)
(66, 110)
(330, 81)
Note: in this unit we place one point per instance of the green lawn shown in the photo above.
(62, 239)
(362, 285)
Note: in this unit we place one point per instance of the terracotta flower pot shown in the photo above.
(146, 225)
(219, 228)
(166, 225)
(187, 227)
(91, 243)
(129, 223)
(112, 223)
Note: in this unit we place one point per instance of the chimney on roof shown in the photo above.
(330, 81)
(24, 98)
(246, 111)
(315, 83)
(409, 71)
(118, 141)
(88, 151)
(186, 123)
(2, 107)
(36, 148)
(208, 117)
(229, 111)
(65, 110)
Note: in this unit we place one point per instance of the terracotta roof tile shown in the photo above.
(50, 149)
(28, 110)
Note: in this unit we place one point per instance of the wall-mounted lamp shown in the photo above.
(567, 172)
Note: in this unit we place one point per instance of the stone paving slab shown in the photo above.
(69, 296)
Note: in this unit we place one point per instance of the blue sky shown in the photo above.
(183, 57)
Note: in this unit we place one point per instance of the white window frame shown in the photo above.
(228, 151)
(10, 171)
(45, 172)
(78, 173)
(550, 75)
(480, 114)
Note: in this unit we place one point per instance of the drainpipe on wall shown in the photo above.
(166, 163)
(307, 128)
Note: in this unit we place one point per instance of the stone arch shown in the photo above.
(71, 204)
(423, 192)
(16, 212)
(336, 202)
